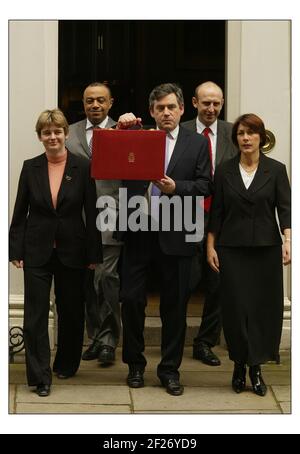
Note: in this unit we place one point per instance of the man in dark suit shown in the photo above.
(187, 174)
(208, 101)
(102, 285)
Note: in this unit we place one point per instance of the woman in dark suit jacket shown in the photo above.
(49, 239)
(245, 246)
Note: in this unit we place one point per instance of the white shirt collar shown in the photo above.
(200, 126)
(89, 125)
(173, 134)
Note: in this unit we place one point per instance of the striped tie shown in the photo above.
(91, 141)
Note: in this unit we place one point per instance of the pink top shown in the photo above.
(56, 167)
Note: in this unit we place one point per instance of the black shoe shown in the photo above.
(257, 381)
(135, 378)
(173, 387)
(203, 352)
(106, 354)
(43, 390)
(239, 377)
(92, 351)
(63, 376)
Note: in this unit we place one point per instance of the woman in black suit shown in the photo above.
(245, 246)
(49, 239)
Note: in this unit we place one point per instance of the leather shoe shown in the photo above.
(173, 387)
(43, 390)
(91, 352)
(258, 385)
(203, 352)
(63, 376)
(106, 354)
(239, 378)
(135, 378)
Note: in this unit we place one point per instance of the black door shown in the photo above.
(133, 57)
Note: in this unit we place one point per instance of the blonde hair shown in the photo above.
(48, 117)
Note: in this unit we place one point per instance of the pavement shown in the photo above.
(102, 390)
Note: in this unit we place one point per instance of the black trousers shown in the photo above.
(68, 289)
(140, 249)
(210, 328)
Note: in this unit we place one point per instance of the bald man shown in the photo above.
(209, 101)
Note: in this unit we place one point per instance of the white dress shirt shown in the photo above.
(247, 177)
(171, 139)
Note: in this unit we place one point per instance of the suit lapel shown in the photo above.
(194, 125)
(262, 175)
(181, 144)
(42, 177)
(82, 138)
(221, 143)
(67, 181)
(110, 123)
(234, 178)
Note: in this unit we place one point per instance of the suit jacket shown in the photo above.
(78, 145)
(189, 167)
(36, 225)
(246, 217)
(225, 149)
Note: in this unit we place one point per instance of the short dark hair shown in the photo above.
(99, 84)
(252, 122)
(160, 91)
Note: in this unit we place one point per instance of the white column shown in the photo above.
(258, 77)
(33, 81)
(258, 80)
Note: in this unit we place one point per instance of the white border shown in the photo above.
(133, 9)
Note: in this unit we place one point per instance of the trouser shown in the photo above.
(210, 328)
(139, 250)
(68, 289)
(102, 294)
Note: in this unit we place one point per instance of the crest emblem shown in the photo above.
(131, 157)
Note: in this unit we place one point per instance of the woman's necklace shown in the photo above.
(249, 169)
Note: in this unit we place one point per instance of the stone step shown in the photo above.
(152, 332)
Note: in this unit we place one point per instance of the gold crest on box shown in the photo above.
(131, 157)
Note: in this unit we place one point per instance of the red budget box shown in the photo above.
(128, 154)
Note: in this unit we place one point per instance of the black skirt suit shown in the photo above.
(249, 247)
